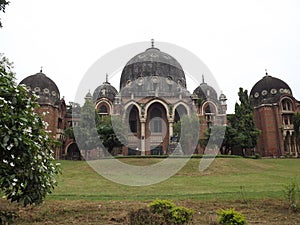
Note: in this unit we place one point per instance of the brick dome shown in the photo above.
(268, 90)
(42, 86)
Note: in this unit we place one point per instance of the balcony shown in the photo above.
(288, 126)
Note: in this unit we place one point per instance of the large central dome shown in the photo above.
(152, 62)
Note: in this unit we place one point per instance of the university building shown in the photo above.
(153, 96)
(274, 107)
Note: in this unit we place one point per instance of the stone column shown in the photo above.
(289, 144)
(143, 138)
(170, 128)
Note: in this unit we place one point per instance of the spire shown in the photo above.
(88, 96)
(106, 79)
(41, 70)
(152, 43)
(203, 79)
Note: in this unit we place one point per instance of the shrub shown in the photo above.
(171, 213)
(290, 194)
(161, 206)
(145, 217)
(179, 215)
(231, 217)
(7, 217)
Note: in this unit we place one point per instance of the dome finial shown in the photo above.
(88, 96)
(41, 70)
(152, 43)
(203, 79)
(266, 72)
(106, 79)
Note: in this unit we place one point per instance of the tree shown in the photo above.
(112, 131)
(3, 4)
(187, 131)
(27, 168)
(229, 139)
(242, 124)
(86, 134)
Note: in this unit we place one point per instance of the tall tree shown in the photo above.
(187, 131)
(3, 4)
(112, 132)
(86, 134)
(242, 123)
(27, 167)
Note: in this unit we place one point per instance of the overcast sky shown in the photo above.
(237, 40)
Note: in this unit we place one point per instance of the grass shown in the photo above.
(253, 187)
(262, 178)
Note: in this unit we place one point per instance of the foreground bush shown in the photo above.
(231, 217)
(290, 194)
(161, 212)
(145, 217)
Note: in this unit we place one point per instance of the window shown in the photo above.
(103, 110)
(156, 121)
(286, 105)
(133, 119)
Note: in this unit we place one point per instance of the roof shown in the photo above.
(152, 62)
(269, 90)
(43, 86)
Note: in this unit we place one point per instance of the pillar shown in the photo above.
(143, 138)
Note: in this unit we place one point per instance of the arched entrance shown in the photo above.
(157, 132)
(180, 111)
(73, 152)
(134, 130)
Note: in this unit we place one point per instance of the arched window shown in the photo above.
(180, 111)
(286, 105)
(103, 110)
(133, 120)
(156, 120)
(209, 112)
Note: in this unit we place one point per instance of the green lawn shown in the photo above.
(261, 178)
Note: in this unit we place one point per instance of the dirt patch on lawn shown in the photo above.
(270, 212)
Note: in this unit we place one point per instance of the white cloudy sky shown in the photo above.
(236, 39)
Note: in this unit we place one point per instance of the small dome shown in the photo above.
(42, 86)
(268, 90)
(88, 96)
(222, 97)
(105, 90)
(205, 92)
(152, 62)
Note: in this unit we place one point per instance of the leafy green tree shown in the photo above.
(3, 4)
(86, 134)
(215, 136)
(242, 124)
(112, 131)
(27, 167)
(229, 139)
(187, 129)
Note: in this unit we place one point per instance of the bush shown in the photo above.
(161, 206)
(170, 212)
(231, 217)
(290, 194)
(7, 217)
(145, 217)
(161, 212)
(179, 215)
